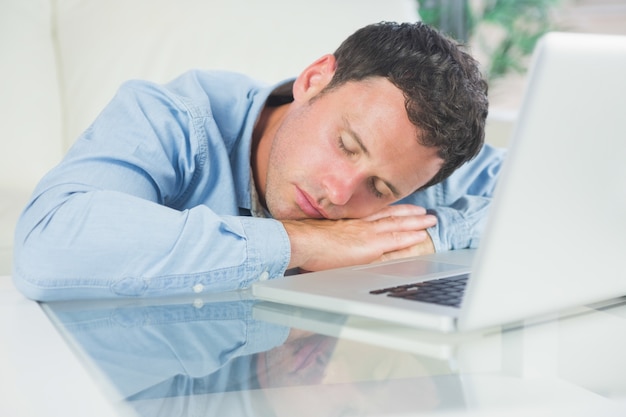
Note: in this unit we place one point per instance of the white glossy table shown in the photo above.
(39, 374)
(564, 366)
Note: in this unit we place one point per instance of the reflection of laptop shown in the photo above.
(557, 229)
(426, 344)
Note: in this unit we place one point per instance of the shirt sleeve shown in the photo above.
(461, 202)
(133, 210)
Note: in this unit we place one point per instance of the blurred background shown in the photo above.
(503, 33)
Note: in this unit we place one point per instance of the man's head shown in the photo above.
(445, 93)
(397, 108)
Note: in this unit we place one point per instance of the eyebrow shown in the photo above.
(366, 151)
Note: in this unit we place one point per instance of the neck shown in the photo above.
(262, 138)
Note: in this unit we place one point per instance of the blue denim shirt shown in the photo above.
(155, 198)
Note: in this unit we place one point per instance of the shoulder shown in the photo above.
(214, 84)
(197, 87)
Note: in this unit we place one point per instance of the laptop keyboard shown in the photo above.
(446, 291)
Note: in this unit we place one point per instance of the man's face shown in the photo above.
(346, 154)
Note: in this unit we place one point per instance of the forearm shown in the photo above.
(106, 244)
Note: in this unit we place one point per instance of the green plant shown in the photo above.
(505, 31)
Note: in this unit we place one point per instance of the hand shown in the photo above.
(394, 232)
(424, 248)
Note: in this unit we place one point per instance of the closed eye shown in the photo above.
(373, 183)
(343, 147)
(373, 189)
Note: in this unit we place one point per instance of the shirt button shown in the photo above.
(198, 303)
(198, 288)
(264, 276)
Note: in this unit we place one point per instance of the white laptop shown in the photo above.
(556, 235)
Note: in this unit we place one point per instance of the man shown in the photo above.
(214, 180)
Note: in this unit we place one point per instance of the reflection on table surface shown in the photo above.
(230, 355)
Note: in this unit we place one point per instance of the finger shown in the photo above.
(397, 210)
(423, 248)
(405, 223)
(400, 241)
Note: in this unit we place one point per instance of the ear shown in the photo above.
(314, 78)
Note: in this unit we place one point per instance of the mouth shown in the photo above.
(308, 205)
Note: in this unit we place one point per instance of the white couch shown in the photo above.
(62, 60)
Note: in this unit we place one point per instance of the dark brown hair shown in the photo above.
(445, 92)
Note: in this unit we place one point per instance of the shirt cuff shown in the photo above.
(460, 226)
(269, 249)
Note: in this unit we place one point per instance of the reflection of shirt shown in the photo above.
(155, 198)
(174, 357)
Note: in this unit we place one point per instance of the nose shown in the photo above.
(340, 186)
